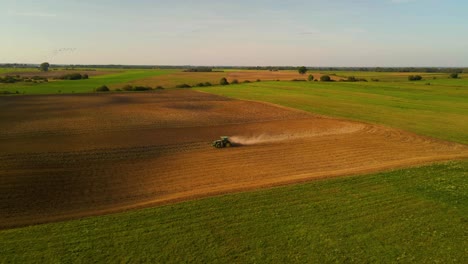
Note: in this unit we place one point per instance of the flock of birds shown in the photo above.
(59, 52)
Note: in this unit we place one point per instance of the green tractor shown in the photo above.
(222, 143)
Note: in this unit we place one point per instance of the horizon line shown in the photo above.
(220, 66)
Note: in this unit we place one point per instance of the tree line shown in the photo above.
(270, 68)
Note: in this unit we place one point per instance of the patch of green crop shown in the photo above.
(13, 70)
(81, 86)
(410, 215)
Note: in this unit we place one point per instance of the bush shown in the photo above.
(142, 88)
(102, 88)
(235, 81)
(310, 78)
(258, 80)
(208, 84)
(200, 85)
(298, 80)
(85, 76)
(246, 81)
(159, 87)
(454, 75)
(325, 78)
(127, 88)
(72, 77)
(184, 85)
(375, 80)
(223, 81)
(414, 78)
(37, 78)
(9, 79)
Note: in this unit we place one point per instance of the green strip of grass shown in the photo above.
(82, 86)
(439, 110)
(411, 215)
(13, 70)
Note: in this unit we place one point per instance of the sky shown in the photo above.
(386, 33)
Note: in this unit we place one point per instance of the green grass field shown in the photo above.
(411, 215)
(439, 110)
(9, 70)
(82, 86)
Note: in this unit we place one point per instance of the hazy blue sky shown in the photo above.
(236, 32)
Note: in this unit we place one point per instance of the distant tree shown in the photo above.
(414, 78)
(302, 70)
(44, 66)
(223, 81)
(310, 78)
(142, 88)
(127, 87)
(184, 85)
(199, 69)
(325, 78)
(235, 81)
(454, 75)
(71, 76)
(102, 88)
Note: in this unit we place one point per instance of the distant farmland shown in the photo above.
(170, 78)
(378, 169)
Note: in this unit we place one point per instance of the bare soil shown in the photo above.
(70, 156)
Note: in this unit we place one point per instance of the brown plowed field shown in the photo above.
(68, 156)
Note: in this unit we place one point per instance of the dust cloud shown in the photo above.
(244, 140)
(265, 138)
